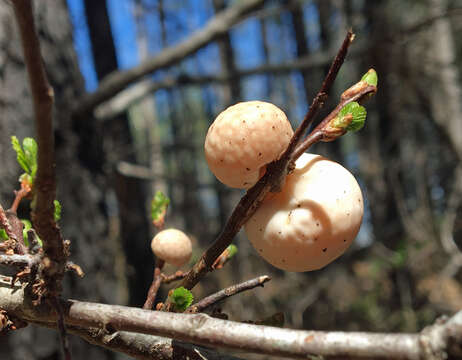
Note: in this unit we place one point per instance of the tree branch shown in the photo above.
(434, 342)
(228, 292)
(271, 181)
(142, 346)
(123, 100)
(216, 27)
(45, 182)
(156, 282)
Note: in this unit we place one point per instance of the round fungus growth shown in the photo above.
(173, 246)
(243, 139)
(312, 221)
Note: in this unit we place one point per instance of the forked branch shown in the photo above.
(271, 181)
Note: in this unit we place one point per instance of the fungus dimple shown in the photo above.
(324, 250)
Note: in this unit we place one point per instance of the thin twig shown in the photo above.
(19, 195)
(167, 279)
(13, 228)
(56, 304)
(228, 292)
(272, 180)
(20, 261)
(33, 260)
(156, 281)
(318, 133)
(5, 225)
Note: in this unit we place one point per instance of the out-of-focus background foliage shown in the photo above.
(403, 270)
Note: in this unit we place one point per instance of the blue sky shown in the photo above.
(183, 18)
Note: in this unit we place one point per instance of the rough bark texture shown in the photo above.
(79, 191)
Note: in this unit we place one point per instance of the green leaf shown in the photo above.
(3, 235)
(30, 151)
(359, 114)
(182, 298)
(57, 214)
(26, 155)
(27, 225)
(232, 250)
(159, 206)
(20, 155)
(370, 77)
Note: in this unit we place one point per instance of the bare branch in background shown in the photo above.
(120, 102)
(129, 96)
(217, 26)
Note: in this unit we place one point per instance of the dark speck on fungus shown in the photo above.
(324, 250)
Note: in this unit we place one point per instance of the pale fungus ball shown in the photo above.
(173, 246)
(312, 221)
(243, 139)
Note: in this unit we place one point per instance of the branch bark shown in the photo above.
(142, 346)
(45, 181)
(228, 292)
(434, 342)
(219, 25)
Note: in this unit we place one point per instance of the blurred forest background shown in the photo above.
(403, 270)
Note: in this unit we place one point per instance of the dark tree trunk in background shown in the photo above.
(80, 189)
(118, 144)
(231, 95)
(298, 24)
(102, 43)
(378, 145)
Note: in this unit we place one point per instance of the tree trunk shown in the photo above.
(118, 143)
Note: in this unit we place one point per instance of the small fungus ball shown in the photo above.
(173, 246)
(312, 221)
(243, 138)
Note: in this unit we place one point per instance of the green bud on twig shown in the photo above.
(351, 117)
(370, 77)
